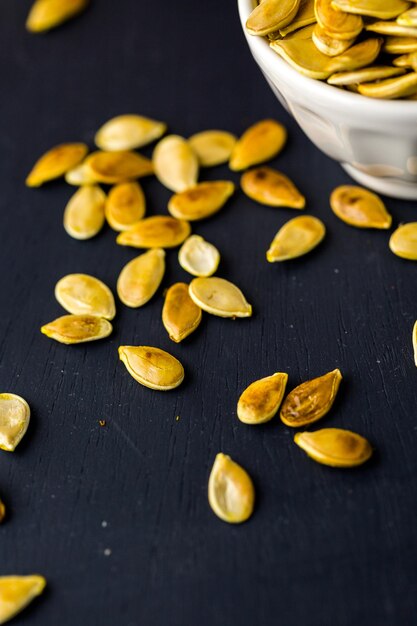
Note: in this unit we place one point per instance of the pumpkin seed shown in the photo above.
(403, 241)
(47, 14)
(16, 592)
(270, 187)
(261, 142)
(200, 201)
(14, 420)
(125, 206)
(392, 28)
(176, 164)
(127, 132)
(271, 15)
(303, 55)
(408, 18)
(180, 315)
(84, 213)
(407, 61)
(140, 278)
(2, 511)
(302, 33)
(198, 257)
(415, 342)
(297, 237)
(117, 167)
(83, 294)
(152, 367)
(391, 88)
(56, 162)
(219, 297)
(328, 45)
(70, 329)
(337, 24)
(304, 17)
(80, 175)
(261, 400)
(158, 231)
(359, 207)
(335, 447)
(311, 400)
(400, 45)
(231, 493)
(365, 75)
(212, 147)
(385, 10)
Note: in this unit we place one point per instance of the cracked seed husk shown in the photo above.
(311, 400)
(180, 315)
(261, 399)
(231, 493)
(335, 447)
(14, 420)
(152, 367)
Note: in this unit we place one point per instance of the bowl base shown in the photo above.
(392, 187)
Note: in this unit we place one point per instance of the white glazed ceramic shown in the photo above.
(374, 140)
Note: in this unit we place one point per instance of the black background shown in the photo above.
(324, 547)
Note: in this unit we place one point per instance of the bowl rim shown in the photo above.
(316, 89)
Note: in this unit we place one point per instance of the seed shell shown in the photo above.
(47, 14)
(296, 238)
(219, 297)
(198, 257)
(329, 45)
(127, 132)
(14, 420)
(268, 186)
(84, 213)
(180, 315)
(231, 493)
(158, 231)
(81, 294)
(72, 329)
(56, 162)
(403, 241)
(399, 87)
(359, 207)
(271, 15)
(152, 367)
(125, 206)
(139, 280)
(261, 142)
(384, 10)
(311, 400)
(117, 167)
(16, 592)
(335, 447)
(212, 147)
(337, 24)
(176, 164)
(261, 400)
(200, 201)
(364, 75)
(304, 17)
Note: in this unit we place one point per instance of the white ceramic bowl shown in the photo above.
(374, 140)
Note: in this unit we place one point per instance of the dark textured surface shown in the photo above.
(324, 547)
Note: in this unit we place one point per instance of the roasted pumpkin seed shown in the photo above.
(304, 17)
(311, 400)
(198, 257)
(297, 237)
(337, 24)
(261, 400)
(152, 367)
(70, 329)
(47, 14)
(158, 231)
(271, 15)
(219, 297)
(392, 28)
(83, 294)
(399, 87)
(140, 278)
(415, 342)
(200, 201)
(14, 420)
(359, 207)
(365, 75)
(176, 164)
(2, 511)
(84, 213)
(261, 142)
(335, 447)
(56, 162)
(80, 175)
(408, 18)
(400, 45)
(385, 10)
(231, 493)
(125, 206)
(270, 187)
(180, 315)
(403, 241)
(328, 45)
(117, 167)
(127, 132)
(212, 147)
(16, 592)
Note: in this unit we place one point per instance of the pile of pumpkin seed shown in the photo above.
(366, 46)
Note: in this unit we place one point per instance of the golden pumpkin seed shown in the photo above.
(328, 45)
(297, 237)
(152, 367)
(70, 329)
(337, 24)
(83, 294)
(391, 88)
(176, 164)
(392, 28)
(408, 18)
(80, 175)
(304, 17)
(271, 15)
(403, 241)
(385, 10)
(47, 14)
(180, 315)
(414, 338)
(261, 142)
(219, 297)
(406, 61)
(270, 187)
(198, 257)
(158, 231)
(117, 167)
(359, 207)
(2, 511)
(84, 213)
(212, 147)
(400, 45)
(125, 206)
(302, 33)
(335, 447)
(303, 55)
(200, 201)
(365, 75)
(16, 592)
(14, 420)
(231, 493)
(56, 162)
(140, 278)
(127, 132)
(311, 400)
(261, 400)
